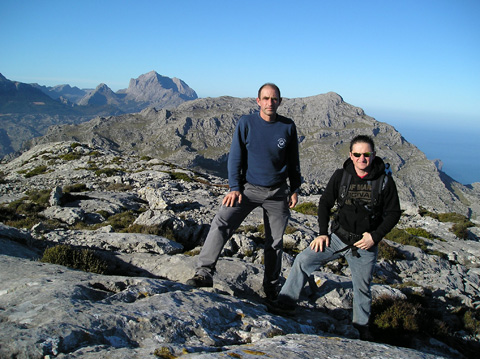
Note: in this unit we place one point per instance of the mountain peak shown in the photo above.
(159, 90)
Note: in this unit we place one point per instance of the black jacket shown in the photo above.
(354, 217)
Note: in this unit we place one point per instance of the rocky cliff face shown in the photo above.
(147, 218)
(197, 134)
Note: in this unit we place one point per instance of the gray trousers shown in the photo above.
(274, 202)
(361, 267)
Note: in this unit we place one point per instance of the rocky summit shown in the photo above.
(97, 242)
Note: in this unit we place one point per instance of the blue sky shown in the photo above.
(414, 60)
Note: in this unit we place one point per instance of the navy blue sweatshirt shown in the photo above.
(264, 153)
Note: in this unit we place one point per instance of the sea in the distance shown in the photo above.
(455, 143)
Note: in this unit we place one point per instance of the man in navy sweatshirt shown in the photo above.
(263, 155)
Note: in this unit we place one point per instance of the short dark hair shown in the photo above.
(269, 84)
(362, 139)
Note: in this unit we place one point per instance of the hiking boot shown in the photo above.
(271, 294)
(364, 332)
(281, 307)
(200, 281)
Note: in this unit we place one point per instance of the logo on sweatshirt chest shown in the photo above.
(281, 143)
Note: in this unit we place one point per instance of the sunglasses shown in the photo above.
(366, 154)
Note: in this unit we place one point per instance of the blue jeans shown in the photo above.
(274, 202)
(362, 272)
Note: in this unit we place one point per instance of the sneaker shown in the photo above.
(200, 281)
(364, 332)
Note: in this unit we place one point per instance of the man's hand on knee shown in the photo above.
(231, 197)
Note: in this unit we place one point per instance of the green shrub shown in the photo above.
(452, 217)
(306, 208)
(75, 145)
(121, 221)
(396, 315)
(145, 158)
(389, 252)
(460, 230)
(94, 154)
(420, 232)
(119, 187)
(83, 259)
(156, 230)
(290, 230)
(180, 176)
(70, 156)
(39, 196)
(471, 322)
(437, 253)
(78, 187)
(447, 217)
(402, 237)
(36, 171)
(107, 172)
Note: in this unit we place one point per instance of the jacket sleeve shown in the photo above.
(236, 158)
(327, 201)
(293, 162)
(391, 212)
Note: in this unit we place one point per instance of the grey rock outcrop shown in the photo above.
(141, 306)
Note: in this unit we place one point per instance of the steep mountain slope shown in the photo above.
(197, 134)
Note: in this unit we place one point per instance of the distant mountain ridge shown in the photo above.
(27, 110)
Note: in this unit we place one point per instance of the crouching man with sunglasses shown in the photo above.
(357, 228)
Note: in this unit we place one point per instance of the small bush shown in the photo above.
(121, 221)
(452, 217)
(471, 322)
(446, 217)
(180, 176)
(420, 232)
(306, 208)
(70, 156)
(402, 237)
(290, 230)
(145, 158)
(460, 230)
(83, 259)
(119, 187)
(107, 172)
(78, 187)
(36, 171)
(39, 196)
(389, 252)
(94, 154)
(395, 319)
(156, 230)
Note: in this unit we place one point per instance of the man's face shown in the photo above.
(268, 102)
(363, 162)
